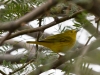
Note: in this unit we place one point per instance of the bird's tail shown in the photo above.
(32, 42)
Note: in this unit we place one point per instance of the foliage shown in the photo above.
(14, 9)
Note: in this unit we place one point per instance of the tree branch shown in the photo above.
(11, 26)
(16, 58)
(43, 27)
(92, 6)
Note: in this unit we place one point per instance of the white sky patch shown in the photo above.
(5, 69)
(53, 72)
(83, 36)
(2, 7)
(55, 28)
(95, 67)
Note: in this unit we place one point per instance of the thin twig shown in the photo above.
(97, 20)
(88, 40)
(21, 67)
(97, 27)
(38, 36)
(11, 50)
(44, 26)
(13, 25)
(2, 73)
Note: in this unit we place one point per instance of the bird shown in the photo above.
(60, 42)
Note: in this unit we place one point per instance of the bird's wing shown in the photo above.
(57, 38)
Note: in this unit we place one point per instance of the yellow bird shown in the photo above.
(60, 42)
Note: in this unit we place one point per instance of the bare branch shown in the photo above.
(92, 6)
(16, 58)
(11, 26)
(43, 27)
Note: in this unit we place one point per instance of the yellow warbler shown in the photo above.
(60, 42)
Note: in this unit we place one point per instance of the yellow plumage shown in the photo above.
(60, 42)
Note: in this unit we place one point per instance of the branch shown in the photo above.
(11, 50)
(84, 70)
(13, 25)
(92, 6)
(21, 44)
(43, 27)
(22, 67)
(16, 58)
(1, 72)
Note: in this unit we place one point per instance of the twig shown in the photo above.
(2, 73)
(20, 67)
(44, 26)
(13, 25)
(88, 40)
(38, 36)
(90, 5)
(11, 50)
(85, 50)
(56, 19)
(97, 20)
(97, 27)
